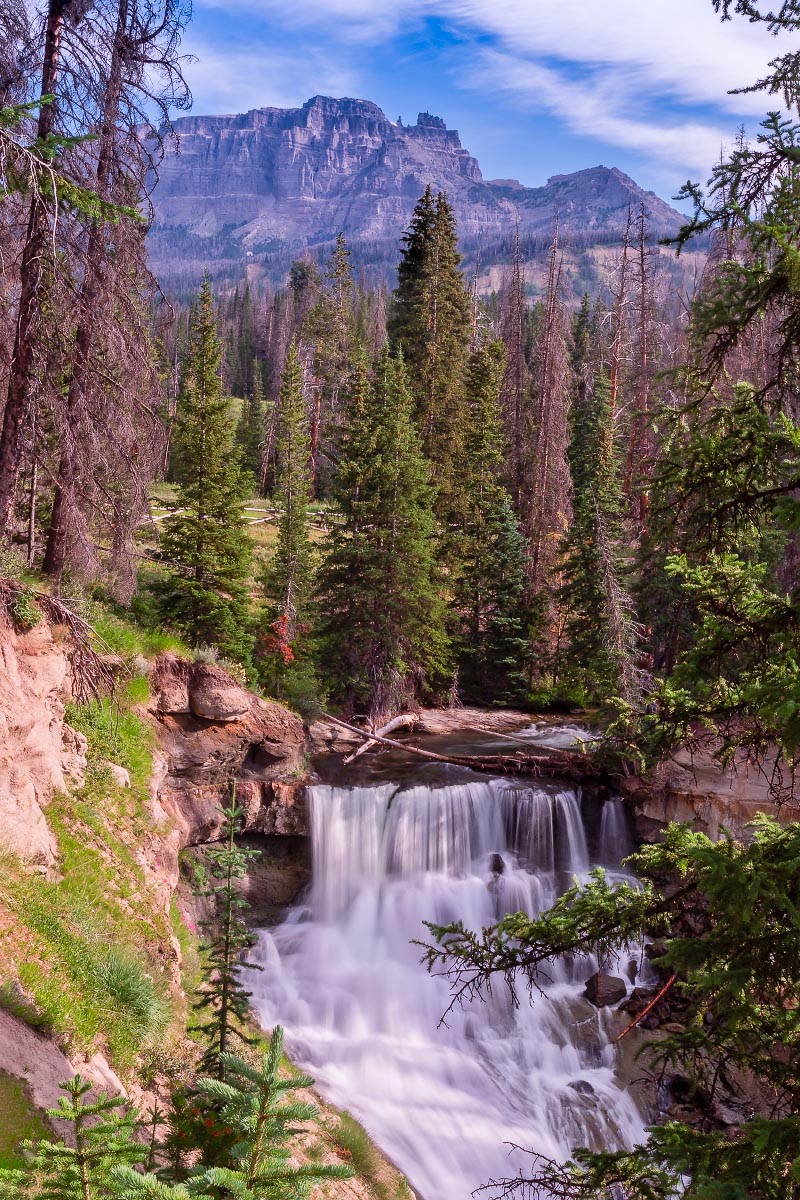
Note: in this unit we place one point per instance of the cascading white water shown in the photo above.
(363, 1016)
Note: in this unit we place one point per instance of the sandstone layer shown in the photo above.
(239, 188)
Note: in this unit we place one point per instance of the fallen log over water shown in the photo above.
(549, 762)
(406, 721)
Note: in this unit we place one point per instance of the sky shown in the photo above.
(535, 87)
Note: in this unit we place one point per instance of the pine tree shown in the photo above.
(253, 1100)
(490, 581)
(288, 578)
(382, 622)
(431, 325)
(251, 429)
(223, 996)
(101, 1141)
(600, 629)
(205, 544)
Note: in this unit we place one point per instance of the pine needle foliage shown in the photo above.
(430, 325)
(382, 624)
(251, 430)
(255, 1100)
(490, 580)
(101, 1141)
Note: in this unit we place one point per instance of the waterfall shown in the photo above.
(615, 842)
(443, 1100)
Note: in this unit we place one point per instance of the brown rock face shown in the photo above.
(255, 741)
(215, 696)
(33, 681)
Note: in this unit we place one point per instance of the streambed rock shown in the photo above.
(602, 990)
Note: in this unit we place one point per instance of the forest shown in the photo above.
(363, 500)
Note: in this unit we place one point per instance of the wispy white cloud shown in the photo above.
(600, 108)
(650, 76)
(232, 78)
(679, 46)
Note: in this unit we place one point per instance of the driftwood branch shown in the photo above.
(405, 721)
(646, 1010)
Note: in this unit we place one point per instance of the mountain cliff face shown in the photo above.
(250, 186)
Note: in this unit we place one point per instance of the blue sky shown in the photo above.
(535, 87)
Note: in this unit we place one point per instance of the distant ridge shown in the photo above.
(258, 188)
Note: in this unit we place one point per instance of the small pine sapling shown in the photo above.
(101, 1143)
(254, 1101)
(223, 997)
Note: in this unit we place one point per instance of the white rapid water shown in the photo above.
(362, 1015)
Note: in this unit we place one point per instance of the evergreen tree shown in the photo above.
(101, 1141)
(253, 1101)
(222, 996)
(490, 581)
(288, 577)
(209, 553)
(251, 430)
(431, 325)
(600, 626)
(382, 622)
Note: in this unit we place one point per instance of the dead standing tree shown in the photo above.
(516, 379)
(140, 45)
(35, 266)
(640, 447)
(547, 503)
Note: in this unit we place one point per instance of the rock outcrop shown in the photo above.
(37, 750)
(239, 188)
(694, 787)
(602, 989)
(212, 730)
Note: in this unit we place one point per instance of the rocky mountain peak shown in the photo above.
(267, 183)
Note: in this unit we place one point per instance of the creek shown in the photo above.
(400, 844)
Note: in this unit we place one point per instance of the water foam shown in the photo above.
(362, 1015)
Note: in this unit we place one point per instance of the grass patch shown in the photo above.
(14, 1002)
(357, 1147)
(19, 1120)
(92, 947)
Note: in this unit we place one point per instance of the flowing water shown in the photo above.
(443, 1100)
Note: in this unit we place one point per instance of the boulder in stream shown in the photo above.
(603, 989)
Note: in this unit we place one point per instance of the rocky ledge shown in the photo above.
(212, 730)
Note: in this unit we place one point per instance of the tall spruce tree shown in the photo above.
(382, 626)
(600, 627)
(490, 579)
(223, 999)
(205, 545)
(288, 577)
(251, 429)
(431, 325)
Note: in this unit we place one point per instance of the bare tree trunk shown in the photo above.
(516, 374)
(32, 505)
(639, 441)
(618, 313)
(32, 288)
(88, 315)
(548, 506)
